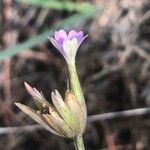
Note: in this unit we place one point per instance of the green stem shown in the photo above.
(79, 144)
(76, 87)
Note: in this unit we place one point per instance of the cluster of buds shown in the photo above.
(61, 119)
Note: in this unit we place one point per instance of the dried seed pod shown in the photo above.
(62, 118)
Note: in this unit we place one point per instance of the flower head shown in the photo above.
(67, 44)
(61, 119)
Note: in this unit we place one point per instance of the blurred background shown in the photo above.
(113, 66)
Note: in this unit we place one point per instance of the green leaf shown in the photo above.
(61, 5)
(67, 23)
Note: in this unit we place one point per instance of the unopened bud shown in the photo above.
(73, 104)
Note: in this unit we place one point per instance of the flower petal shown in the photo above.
(60, 36)
(58, 47)
(82, 40)
(77, 35)
(35, 116)
(56, 44)
(70, 48)
(68, 45)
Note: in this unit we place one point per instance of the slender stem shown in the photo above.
(79, 144)
(77, 91)
(76, 87)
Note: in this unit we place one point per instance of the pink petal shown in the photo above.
(83, 39)
(78, 35)
(30, 90)
(58, 47)
(60, 36)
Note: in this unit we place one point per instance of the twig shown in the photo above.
(92, 118)
(119, 114)
(31, 128)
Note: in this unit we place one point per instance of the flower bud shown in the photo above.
(73, 104)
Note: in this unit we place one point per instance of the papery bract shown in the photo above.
(61, 118)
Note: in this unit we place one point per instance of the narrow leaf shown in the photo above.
(67, 23)
(83, 7)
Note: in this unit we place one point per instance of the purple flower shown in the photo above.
(67, 44)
